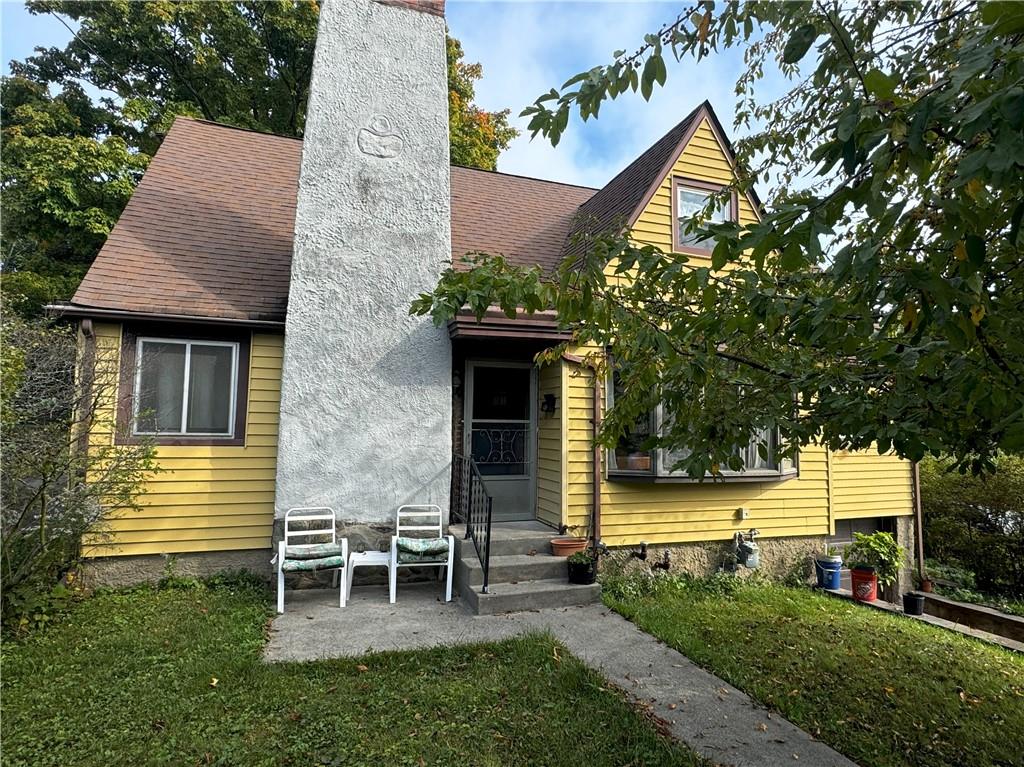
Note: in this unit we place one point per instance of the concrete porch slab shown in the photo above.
(713, 718)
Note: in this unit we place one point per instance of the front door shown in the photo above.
(500, 423)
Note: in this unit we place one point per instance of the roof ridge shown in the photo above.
(528, 178)
(228, 126)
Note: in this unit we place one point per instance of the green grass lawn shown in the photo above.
(882, 689)
(174, 676)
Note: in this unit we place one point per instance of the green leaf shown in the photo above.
(879, 84)
(799, 43)
(792, 257)
(848, 124)
(649, 75)
(975, 250)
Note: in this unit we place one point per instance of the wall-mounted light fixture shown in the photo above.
(548, 405)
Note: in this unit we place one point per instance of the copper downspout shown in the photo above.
(598, 414)
(595, 525)
(919, 520)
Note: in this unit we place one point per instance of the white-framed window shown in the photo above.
(691, 200)
(185, 388)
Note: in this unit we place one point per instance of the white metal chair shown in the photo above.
(436, 550)
(311, 522)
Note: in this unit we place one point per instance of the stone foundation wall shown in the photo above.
(780, 557)
(116, 572)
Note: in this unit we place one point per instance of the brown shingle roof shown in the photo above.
(619, 199)
(208, 232)
(523, 219)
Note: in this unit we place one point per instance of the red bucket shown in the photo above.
(865, 585)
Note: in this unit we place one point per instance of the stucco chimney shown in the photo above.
(366, 389)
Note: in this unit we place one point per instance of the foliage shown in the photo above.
(883, 690)
(584, 557)
(65, 180)
(70, 165)
(960, 584)
(476, 136)
(46, 505)
(878, 551)
(977, 523)
(877, 301)
(175, 676)
(660, 583)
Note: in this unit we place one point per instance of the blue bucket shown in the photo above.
(828, 571)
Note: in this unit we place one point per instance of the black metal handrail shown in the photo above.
(472, 505)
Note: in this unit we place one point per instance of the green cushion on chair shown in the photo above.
(312, 565)
(422, 545)
(422, 550)
(316, 551)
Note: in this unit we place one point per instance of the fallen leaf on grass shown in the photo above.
(213, 681)
(361, 667)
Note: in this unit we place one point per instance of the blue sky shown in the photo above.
(526, 48)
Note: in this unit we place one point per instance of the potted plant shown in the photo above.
(582, 567)
(828, 567)
(874, 560)
(567, 545)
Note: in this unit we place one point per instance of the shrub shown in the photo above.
(977, 523)
(641, 585)
(878, 551)
(50, 449)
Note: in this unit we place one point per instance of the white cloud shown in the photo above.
(527, 48)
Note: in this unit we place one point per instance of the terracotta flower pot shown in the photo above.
(567, 546)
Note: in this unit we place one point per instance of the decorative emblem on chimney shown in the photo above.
(379, 139)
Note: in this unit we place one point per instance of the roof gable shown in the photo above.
(622, 200)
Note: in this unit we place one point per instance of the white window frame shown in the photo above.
(188, 344)
(681, 186)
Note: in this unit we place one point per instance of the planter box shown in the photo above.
(975, 616)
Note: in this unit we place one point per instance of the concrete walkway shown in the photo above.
(713, 718)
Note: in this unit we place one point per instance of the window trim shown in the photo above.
(131, 338)
(707, 186)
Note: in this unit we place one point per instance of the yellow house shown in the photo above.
(252, 305)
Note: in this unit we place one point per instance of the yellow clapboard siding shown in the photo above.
(190, 534)
(868, 485)
(176, 546)
(549, 452)
(224, 509)
(202, 520)
(163, 500)
(190, 480)
(208, 498)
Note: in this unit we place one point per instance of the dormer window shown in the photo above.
(689, 199)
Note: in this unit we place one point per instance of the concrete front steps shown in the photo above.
(524, 575)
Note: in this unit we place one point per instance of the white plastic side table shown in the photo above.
(365, 559)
